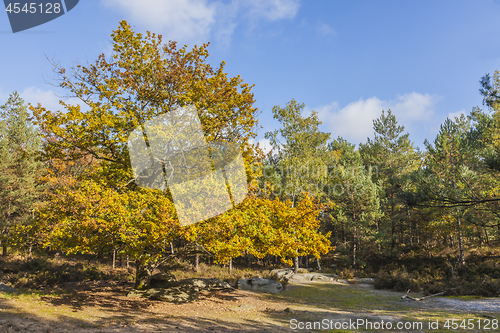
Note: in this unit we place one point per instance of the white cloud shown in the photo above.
(452, 115)
(414, 106)
(354, 122)
(48, 99)
(226, 22)
(196, 20)
(326, 30)
(264, 144)
(274, 10)
(178, 19)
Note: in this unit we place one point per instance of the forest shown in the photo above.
(426, 220)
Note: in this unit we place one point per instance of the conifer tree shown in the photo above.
(20, 167)
(393, 156)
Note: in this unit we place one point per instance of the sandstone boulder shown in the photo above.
(258, 284)
(6, 289)
(283, 274)
(161, 280)
(366, 281)
(180, 294)
(165, 289)
(310, 277)
(206, 284)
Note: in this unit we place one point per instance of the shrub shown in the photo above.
(396, 280)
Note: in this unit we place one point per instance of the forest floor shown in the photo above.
(102, 306)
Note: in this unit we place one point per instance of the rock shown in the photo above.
(161, 280)
(366, 281)
(207, 284)
(288, 310)
(343, 281)
(181, 294)
(312, 277)
(322, 278)
(6, 289)
(243, 306)
(137, 293)
(182, 291)
(257, 284)
(283, 274)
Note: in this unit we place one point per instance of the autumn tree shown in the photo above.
(300, 154)
(143, 79)
(262, 226)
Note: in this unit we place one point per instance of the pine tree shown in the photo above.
(20, 167)
(355, 197)
(393, 156)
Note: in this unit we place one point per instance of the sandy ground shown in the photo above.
(107, 309)
(104, 307)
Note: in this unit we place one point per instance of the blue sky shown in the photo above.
(347, 60)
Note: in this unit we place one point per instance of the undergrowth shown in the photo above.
(435, 274)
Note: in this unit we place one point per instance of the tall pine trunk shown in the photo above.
(354, 248)
(461, 257)
(393, 225)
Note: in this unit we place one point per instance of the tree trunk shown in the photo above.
(4, 250)
(317, 263)
(230, 265)
(142, 275)
(411, 229)
(344, 241)
(128, 261)
(296, 264)
(401, 232)
(461, 257)
(379, 246)
(197, 262)
(354, 248)
(393, 226)
(114, 258)
(306, 263)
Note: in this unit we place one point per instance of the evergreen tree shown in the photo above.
(449, 177)
(20, 167)
(355, 197)
(393, 157)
